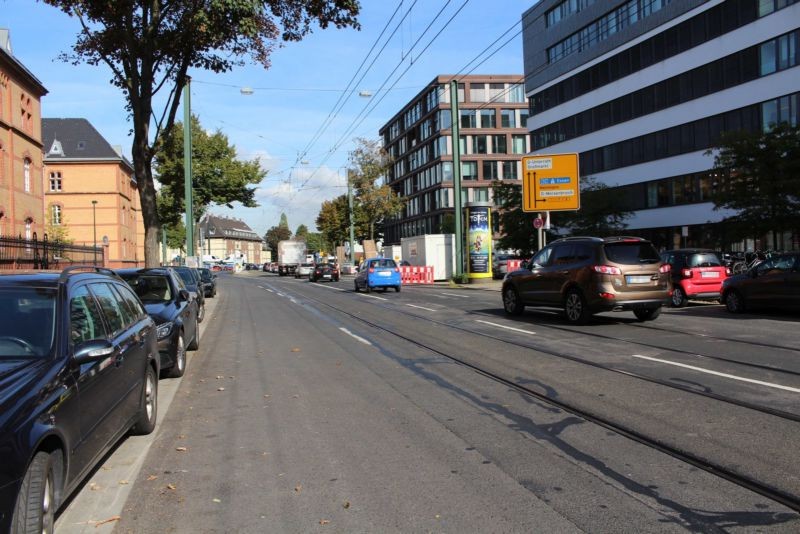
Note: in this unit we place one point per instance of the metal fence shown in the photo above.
(20, 253)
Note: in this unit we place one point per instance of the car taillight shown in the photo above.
(397, 269)
(727, 271)
(607, 295)
(665, 268)
(606, 269)
(687, 273)
(371, 269)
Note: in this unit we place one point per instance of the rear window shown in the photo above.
(704, 259)
(631, 253)
(384, 263)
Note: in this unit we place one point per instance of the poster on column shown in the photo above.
(479, 239)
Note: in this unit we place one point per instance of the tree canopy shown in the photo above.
(761, 181)
(275, 234)
(150, 45)
(373, 201)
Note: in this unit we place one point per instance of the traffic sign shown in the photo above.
(550, 182)
(538, 222)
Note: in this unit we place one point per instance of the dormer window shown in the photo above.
(56, 149)
(81, 145)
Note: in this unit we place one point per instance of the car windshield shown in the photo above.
(186, 276)
(704, 259)
(632, 252)
(28, 325)
(150, 287)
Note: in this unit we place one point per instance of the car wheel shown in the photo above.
(679, 299)
(195, 344)
(647, 314)
(512, 304)
(36, 507)
(734, 302)
(397, 289)
(176, 371)
(148, 408)
(575, 307)
(367, 288)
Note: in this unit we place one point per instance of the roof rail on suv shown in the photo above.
(84, 268)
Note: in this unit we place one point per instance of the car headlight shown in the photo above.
(164, 330)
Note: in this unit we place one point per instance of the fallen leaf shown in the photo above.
(109, 520)
(123, 482)
(267, 396)
(298, 488)
(171, 487)
(438, 516)
(220, 377)
(216, 500)
(152, 477)
(220, 389)
(295, 349)
(323, 521)
(180, 449)
(106, 468)
(231, 377)
(94, 487)
(346, 505)
(181, 436)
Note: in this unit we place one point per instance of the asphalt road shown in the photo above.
(310, 407)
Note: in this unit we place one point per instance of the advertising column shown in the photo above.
(479, 240)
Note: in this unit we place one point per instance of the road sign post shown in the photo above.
(551, 182)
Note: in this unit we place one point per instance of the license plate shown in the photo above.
(631, 279)
(384, 273)
(326, 276)
(709, 274)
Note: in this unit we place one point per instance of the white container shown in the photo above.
(437, 250)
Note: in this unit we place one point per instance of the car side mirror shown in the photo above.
(183, 294)
(92, 351)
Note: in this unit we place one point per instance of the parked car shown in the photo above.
(191, 278)
(587, 275)
(378, 273)
(773, 283)
(79, 366)
(303, 270)
(324, 271)
(174, 310)
(209, 280)
(348, 268)
(696, 273)
(500, 264)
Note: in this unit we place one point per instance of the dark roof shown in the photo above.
(15, 65)
(76, 140)
(223, 227)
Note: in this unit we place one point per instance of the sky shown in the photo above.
(293, 99)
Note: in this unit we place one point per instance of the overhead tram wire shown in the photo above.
(362, 115)
(340, 102)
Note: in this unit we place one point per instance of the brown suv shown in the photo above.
(587, 275)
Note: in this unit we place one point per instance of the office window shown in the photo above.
(518, 144)
(768, 58)
(510, 170)
(481, 194)
(488, 118)
(469, 170)
(447, 171)
(479, 144)
(55, 181)
(490, 170)
(499, 144)
(497, 92)
(477, 92)
(467, 118)
(508, 118)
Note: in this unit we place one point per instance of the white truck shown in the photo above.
(291, 253)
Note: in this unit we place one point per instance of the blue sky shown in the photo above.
(290, 100)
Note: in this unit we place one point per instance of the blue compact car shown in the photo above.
(377, 273)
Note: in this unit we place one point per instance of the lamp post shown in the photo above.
(187, 167)
(94, 231)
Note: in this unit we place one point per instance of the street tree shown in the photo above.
(601, 214)
(301, 232)
(761, 181)
(374, 200)
(516, 226)
(332, 220)
(276, 234)
(150, 45)
(218, 177)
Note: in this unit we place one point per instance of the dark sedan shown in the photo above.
(78, 370)
(773, 283)
(324, 271)
(173, 309)
(191, 278)
(209, 280)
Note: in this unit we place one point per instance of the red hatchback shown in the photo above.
(697, 274)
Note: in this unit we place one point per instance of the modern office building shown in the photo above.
(642, 89)
(493, 139)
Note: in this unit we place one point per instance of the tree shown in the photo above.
(601, 214)
(369, 162)
(517, 232)
(217, 176)
(332, 220)
(276, 234)
(762, 181)
(301, 232)
(149, 46)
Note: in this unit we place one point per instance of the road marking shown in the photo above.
(330, 287)
(358, 338)
(456, 295)
(733, 377)
(371, 296)
(420, 307)
(507, 327)
(266, 289)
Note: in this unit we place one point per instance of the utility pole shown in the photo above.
(456, 177)
(350, 215)
(187, 167)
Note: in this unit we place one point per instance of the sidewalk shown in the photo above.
(488, 285)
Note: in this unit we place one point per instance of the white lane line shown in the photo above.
(358, 338)
(507, 327)
(266, 289)
(330, 287)
(733, 377)
(371, 296)
(420, 307)
(456, 295)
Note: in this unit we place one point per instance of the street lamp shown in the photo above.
(94, 230)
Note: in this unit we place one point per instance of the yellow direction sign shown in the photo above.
(550, 183)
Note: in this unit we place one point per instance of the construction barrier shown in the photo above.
(513, 265)
(416, 275)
